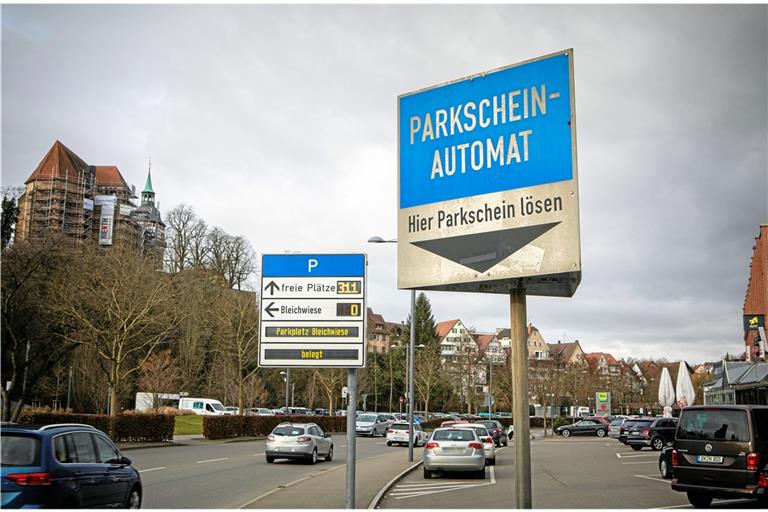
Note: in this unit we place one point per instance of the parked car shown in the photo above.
(614, 427)
(485, 437)
(203, 406)
(321, 412)
(454, 449)
(65, 466)
(605, 420)
(666, 470)
(397, 433)
(371, 424)
(625, 428)
(722, 452)
(261, 411)
(497, 432)
(655, 434)
(299, 441)
(233, 410)
(588, 427)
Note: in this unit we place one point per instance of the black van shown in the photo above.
(721, 452)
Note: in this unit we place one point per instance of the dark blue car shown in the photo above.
(65, 466)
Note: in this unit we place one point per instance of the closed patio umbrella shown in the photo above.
(684, 388)
(666, 392)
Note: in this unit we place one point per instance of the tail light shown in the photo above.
(674, 457)
(476, 446)
(646, 431)
(270, 437)
(621, 430)
(753, 459)
(496, 431)
(432, 445)
(763, 482)
(30, 478)
(488, 440)
(304, 439)
(389, 431)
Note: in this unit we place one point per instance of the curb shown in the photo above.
(376, 499)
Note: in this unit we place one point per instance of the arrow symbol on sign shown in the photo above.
(481, 251)
(272, 288)
(269, 309)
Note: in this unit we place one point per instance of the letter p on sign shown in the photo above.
(312, 263)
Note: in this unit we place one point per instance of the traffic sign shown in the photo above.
(488, 191)
(313, 311)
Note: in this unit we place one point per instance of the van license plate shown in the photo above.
(710, 459)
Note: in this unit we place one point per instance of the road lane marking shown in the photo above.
(434, 484)
(211, 460)
(416, 494)
(151, 469)
(635, 455)
(493, 475)
(257, 454)
(643, 462)
(651, 477)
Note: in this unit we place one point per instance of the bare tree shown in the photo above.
(332, 380)
(160, 374)
(179, 223)
(120, 306)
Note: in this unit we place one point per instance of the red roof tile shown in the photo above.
(59, 162)
(443, 328)
(109, 176)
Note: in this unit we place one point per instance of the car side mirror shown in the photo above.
(327, 434)
(125, 461)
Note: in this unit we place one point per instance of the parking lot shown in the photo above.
(566, 473)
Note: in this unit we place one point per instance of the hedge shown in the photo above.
(126, 427)
(223, 427)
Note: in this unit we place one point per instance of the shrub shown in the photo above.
(132, 427)
(561, 420)
(224, 427)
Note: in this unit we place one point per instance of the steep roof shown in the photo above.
(482, 341)
(563, 351)
(59, 162)
(595, 356)
(148, 184)
(110, 176)
(443, 328)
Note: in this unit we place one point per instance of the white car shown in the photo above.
(397, 433)
(488, 445)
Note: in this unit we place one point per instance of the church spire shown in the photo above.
(148, 195)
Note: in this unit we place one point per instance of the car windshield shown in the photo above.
(642, 424)
(399, 426)
(489, 424)
(453, 435)
(366, 418)
(616, 423)
(217, 406)
(20, 451)
(713, 425)
(288, 431)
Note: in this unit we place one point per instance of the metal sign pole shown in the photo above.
(411, 354)
(519, 353)
(351, 436)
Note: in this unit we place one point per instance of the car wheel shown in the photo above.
(134, 498)
(699, 500)
(329, 457)
(664, 469)
(600, 433)
(427, 474)
(657, 444)
(480, 475)
(636, 447)
(313, 457)
(270, 460)
(566, 433)
(389, 443)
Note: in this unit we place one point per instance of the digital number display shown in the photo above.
(347, 309)
(348, 287)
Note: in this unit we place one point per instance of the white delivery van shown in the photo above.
(203, 406)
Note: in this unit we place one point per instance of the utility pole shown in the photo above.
(351, 436)
(411, 354)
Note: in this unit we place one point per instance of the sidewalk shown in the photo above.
(326, 488)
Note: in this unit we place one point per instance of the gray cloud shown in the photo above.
(279, 123)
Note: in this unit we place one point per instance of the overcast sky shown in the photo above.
(279, 123)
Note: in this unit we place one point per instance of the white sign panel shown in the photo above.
(313, 311)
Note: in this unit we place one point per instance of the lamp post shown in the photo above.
(287, 378)
(379, 240)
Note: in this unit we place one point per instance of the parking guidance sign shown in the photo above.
(313, 312)
(488, 184)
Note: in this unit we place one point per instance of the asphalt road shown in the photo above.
(230, 475)
(566, 473)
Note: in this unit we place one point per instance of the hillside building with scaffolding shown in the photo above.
(85, 202)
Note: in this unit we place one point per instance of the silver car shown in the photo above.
(454, 449)
(305, 441)
(372, 424)
(397, 433)
(485, 437)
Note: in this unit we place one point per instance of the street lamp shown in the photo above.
(379, 240)
(287, 378)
